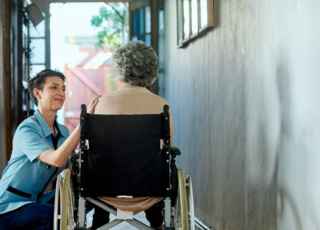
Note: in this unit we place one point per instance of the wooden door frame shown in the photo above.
(5, 77)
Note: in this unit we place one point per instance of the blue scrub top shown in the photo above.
(25, 177)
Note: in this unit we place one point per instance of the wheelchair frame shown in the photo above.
(178, 204)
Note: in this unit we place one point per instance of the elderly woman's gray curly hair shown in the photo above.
(136, 63)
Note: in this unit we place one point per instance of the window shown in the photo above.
(141, 22)
(194, 18)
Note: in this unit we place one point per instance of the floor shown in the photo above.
(122, 226)
(125, 226)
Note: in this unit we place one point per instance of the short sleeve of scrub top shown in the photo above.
(29, 141)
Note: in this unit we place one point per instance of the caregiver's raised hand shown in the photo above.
(92, 105)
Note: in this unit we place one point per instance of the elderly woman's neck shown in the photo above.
(125, 85)
(49, 116)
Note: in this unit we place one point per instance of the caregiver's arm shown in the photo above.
(59, 156)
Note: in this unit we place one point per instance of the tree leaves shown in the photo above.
(111, 22)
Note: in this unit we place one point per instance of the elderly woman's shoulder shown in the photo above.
(131, 102)
(106, 97)
(160, 98)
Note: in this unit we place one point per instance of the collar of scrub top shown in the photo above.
(45, 127)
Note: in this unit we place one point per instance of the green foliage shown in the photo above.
(111, 23)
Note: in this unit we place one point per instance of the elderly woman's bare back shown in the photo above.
(131, 100)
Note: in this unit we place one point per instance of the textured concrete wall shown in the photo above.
(245, 100)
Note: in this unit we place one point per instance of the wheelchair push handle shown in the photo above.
(166, 108)
(174, 151)
(83, 109)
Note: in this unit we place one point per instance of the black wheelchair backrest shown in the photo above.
(122, 155)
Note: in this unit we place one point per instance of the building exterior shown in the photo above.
(86, 80)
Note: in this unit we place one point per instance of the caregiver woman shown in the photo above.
(40, 147)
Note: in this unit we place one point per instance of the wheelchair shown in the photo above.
(123, 155)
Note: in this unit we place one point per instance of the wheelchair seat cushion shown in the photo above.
(135, 204)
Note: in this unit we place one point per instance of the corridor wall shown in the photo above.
(245, 101)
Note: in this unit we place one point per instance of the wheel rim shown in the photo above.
(181, 217)
(64, 203)
(190, 203)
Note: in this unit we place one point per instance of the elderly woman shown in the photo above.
(135, 65)
(40, 147)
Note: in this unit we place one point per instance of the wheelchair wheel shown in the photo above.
(64, 202)
(184, 210)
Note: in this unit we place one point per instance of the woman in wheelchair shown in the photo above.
(40, 147)
(135, 65)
